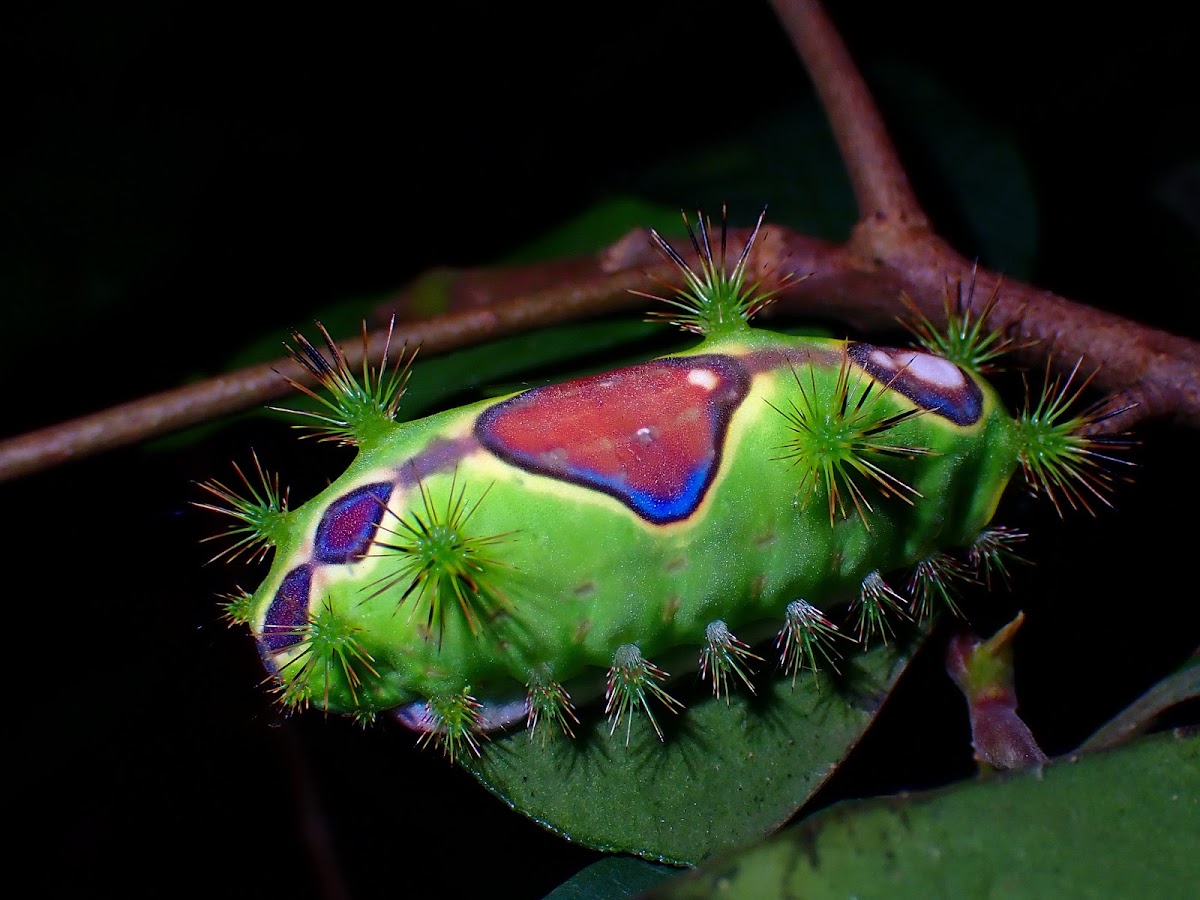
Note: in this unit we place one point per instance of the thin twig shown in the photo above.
(1152, 372)
(880, 184)
(180, 407)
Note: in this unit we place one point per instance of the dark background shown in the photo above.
(180, 178)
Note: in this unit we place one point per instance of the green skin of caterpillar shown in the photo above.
(582, 573)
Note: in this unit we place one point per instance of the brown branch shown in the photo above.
(214, 397)
(1155, 372)
(858, 283)
(891, 249)
(879, 181)
(1158, 371)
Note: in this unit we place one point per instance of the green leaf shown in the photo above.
(612, 878)
(1120, 823)
(1178, 687)
(726, 773)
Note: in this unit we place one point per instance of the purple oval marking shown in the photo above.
(957, 398)
(345, 531)
(287, 615)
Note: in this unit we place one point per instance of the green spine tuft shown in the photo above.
(714, 300)
(632, 682)
(441, 562)
(993, 551)
(260, 518)
(835, 434)
(871, 609)
(724, 655)
(932, 583)
(453, 721)
(1060, 457)
(329, 652)
(357, 409)
(549, 707)
(805, 634)
(237, 608)
(967, 340)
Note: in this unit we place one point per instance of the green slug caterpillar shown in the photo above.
(476, 568)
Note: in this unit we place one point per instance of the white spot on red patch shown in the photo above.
(705, 379)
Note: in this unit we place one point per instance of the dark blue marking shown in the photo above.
(657, 508)
(345, 531)
(287, 616)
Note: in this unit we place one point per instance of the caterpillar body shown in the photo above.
(481, 566)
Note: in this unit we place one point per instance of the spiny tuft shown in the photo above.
(632, 682)
(806, 633)
(932, 585)
(967, 340)
(875, 604)
(259, 515)
(237, 607)
(724, 655)
(356, 408)
(549, 707)
(453, 724)
(993, 551)
(1060, 455)
(328, 652)
(441, 563)
(837, 436)
(714, 299)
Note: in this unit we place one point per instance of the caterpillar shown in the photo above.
(493, 564)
